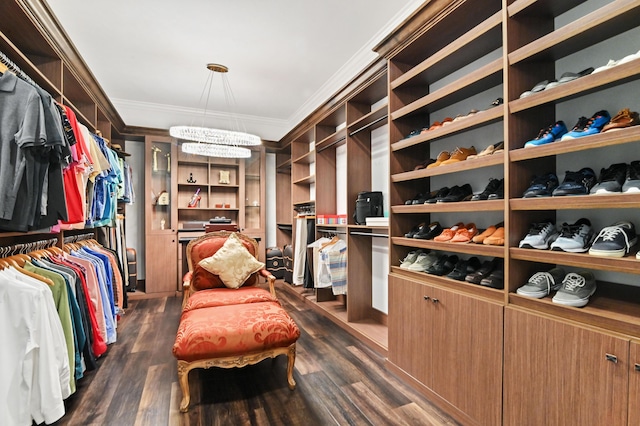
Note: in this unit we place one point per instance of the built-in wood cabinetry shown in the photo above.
(451, 344)
(161, 221)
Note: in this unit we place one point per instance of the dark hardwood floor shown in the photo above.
(339, 380)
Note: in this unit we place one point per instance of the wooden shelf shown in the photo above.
(469, 248)
(462, 206)
(577, 202)
(307, 158)
(544, 8)
(336, 139)
(305, 180)
(627, 265)
(470, 164)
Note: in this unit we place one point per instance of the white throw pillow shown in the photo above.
(233, 263)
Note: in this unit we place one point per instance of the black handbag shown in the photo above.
(368, 204)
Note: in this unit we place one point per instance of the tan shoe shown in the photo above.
(491, 149)
(464, 235)
(443, 156)
(448, 233)
(460, 154)
(495, 239)
(624, 118)
(478, 239)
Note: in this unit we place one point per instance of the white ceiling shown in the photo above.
(285, 57)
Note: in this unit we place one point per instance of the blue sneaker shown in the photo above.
(587, 127)
(541, 186)
(576, 183)
(548, 135)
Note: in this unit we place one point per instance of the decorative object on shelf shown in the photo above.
(162, 222)
(163, 199)
(191, 179)
(168, 155)
(224, 177)
(195, 199)
(216, 142)
(154, 165)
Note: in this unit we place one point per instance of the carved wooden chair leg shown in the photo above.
(183, 377)
(291, 355)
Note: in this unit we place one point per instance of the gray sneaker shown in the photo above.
(576, 289)
(423, 262)
(411, 257)
(541, 283)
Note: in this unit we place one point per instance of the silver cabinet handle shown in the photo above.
(435, 300)
(636, 367)
(426, 297)
(611, 358)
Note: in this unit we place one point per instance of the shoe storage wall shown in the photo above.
(469, 87)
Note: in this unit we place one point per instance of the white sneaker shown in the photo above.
(629, 58)
(423, 262)
(609, 64)
(540, 235)
(574, 238)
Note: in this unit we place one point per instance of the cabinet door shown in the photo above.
(161, 269)
(466, 364)
(161, 192)
(560, 374)
(409, 327)
(634, 384)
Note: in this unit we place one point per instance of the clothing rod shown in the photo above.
(333, 143)
(15, 68)
(368, 125)
(333, 232)
(369, 234)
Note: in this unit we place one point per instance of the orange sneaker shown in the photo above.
(464, 235)
(447, 234)
(495, 239)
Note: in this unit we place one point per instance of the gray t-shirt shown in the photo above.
(21, 125)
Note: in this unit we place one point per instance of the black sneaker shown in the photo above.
(498, 194)
(615, 240)
(576, 183)
(491, 188)
(541, 186)
(443, 265)
(464, 267)
(632, 183)
(611, 179)
(457, 193)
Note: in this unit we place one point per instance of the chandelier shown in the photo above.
(215, 142)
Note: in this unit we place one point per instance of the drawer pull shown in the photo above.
(636, 367)
(611, 358)
(426, 297)
(435, 300)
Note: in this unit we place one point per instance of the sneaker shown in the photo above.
(541, 283)
(541, 186)
(624, 118)
(443, 265)
(540, 236)
(491, 188)
(423, 262)
(611, 179)
(615, 240)
(632, 182)
(411, 257)
(576, 183)
(574, 238)
(588, 127)
(576, 289)
(498, 194)
(463, 268)
(548, 135)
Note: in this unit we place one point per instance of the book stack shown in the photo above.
(377, 221)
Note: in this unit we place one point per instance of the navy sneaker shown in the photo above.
(589, 126)
(548, 135)
(576, 183)
(541, 186)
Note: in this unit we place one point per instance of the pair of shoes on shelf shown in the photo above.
(492, 236)
(490, 150)
(459, 233)
(443, 265)
(490, 274)
(623, 119)
(455, 156)
(613, 63)
(573, 289)
(424, 164)
(464, 267)
(572, 238)
(418, 260)
(549, 134)
(428, 232)
(493, 191)
(450, 195)
(574, 183)
(564, 78)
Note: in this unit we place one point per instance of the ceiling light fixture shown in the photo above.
(216, 142)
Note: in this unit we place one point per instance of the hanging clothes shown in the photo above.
(333, 266)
